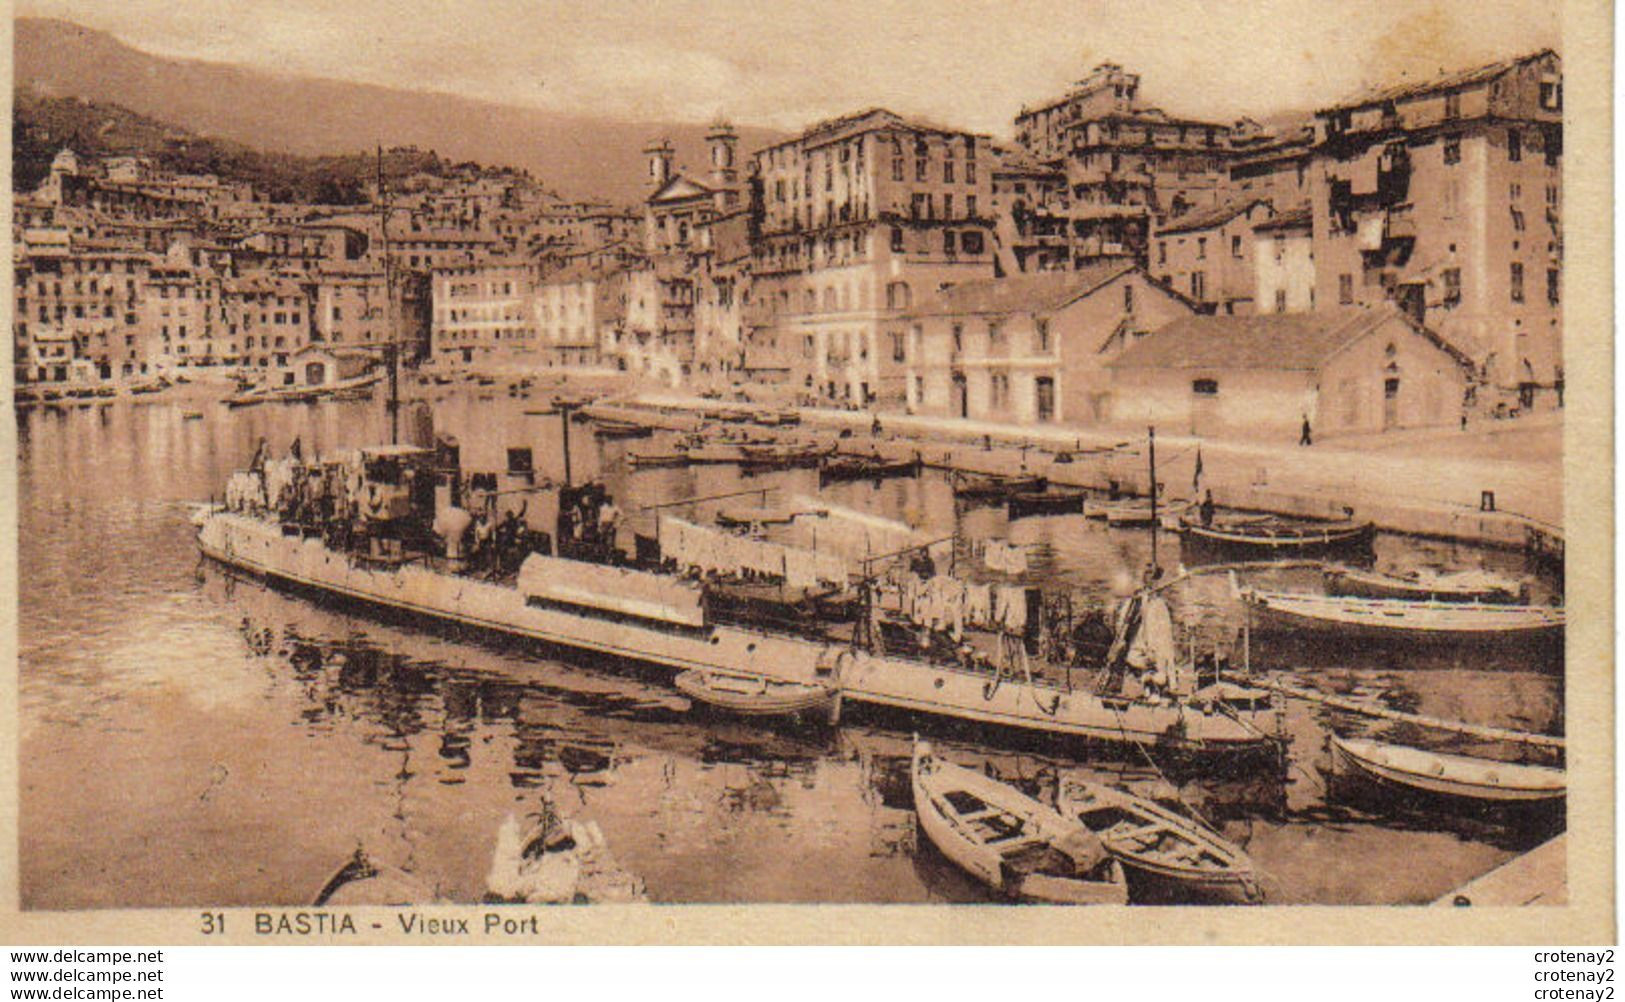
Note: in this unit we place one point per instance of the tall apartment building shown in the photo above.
(1446, 197)
(858, 216)
(483, 313)
(1125, 163)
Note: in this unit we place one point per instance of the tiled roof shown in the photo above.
(1295, 218)
(1449, 81)
(1294, 341)
(1206, 219)
(1036, 293)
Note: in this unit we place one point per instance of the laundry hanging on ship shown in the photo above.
(712, 552)
(1002, 556)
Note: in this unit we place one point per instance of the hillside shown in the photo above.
(580, 155)
(42, 126)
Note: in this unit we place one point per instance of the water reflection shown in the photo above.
(149, 681)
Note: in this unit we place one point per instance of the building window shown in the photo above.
(1205, 387)
(1551, 95)
(1042, 326)
(970, 206)
(897, 169)
(1514, 145)
(1235, 246)
(1198, 286)
(1452, 150)
(897, 239)
(971, 242)
(1162, 252)
(1280, 300)
(1552, 281)
(897, 353)
(1345, 289)
(1517, 221)
(948, 246)
(1201, 248)
(1128, 297)
(947, 207)
(995, 335)
(919, 168)
(1452, 106)
(1517, 281)
(948, 172)
(919, 206)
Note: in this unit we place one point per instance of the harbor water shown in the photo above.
(192, 738)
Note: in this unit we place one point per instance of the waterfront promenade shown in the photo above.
(1428, 481)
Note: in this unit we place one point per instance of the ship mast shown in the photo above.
(391, 340)
(1151, 451)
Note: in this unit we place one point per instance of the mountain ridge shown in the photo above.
(579, 155)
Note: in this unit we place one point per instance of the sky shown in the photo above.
(785, 64)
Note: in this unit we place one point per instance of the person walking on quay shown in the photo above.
(1306, 438)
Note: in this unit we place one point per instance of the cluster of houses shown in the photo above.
(1392, 261)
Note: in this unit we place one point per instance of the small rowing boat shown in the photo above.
(752, 695)
(609, 428)
(1049, 502)
(1441, 775)
(1119, 514)
(786, 456)
(1423, 585)
(994, 486)
(1271, 535)
(361, 883)
(1009, 841)
(1162, 851)
(840, 469)
(549, 860)
(1398, 618)
(653, 459)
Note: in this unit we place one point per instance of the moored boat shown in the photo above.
(1398, 618)
(1055, 501)
(1009, 841)
(1431, 586)
(610, 428)
(1438, 774)
(839, 469)
(994, 486)
(752, 695)
(1269, 535)
(1165, 854)
(551, 583)
(1122, 514)
(361, 883)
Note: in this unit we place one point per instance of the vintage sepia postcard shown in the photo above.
(842, 471)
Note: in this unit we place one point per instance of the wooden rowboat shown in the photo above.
(993, 486)
(1170, 853)
(1279, 536)
(609, 428)
(1009, 841)
(752, 695)
(649, 460)
(1461, 586)
(1398, 618)
(1442, 775)
(362, 883)
(1050, 502)
(851, 468)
